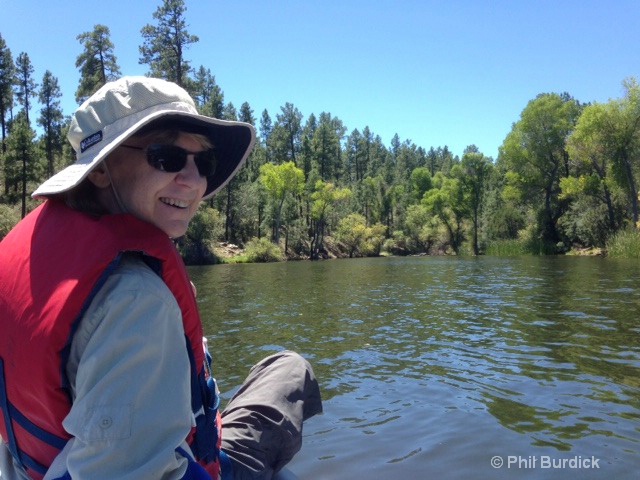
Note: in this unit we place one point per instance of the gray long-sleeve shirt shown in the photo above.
(130, 377)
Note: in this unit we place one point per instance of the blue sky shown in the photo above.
(437, 73)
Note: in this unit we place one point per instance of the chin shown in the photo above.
(174, 231)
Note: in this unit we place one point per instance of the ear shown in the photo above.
(99, 176)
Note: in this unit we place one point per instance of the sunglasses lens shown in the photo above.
(206, 163)
(171, 158)
(167, 158)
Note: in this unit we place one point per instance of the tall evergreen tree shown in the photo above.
(207, 94)
(230, 112)
(51, 118)
(353, 157)
(288, 132)
(7, 76)
(22, 164)
(307, 147)
(432, 161)
(327, 147)
(395, 146)
(246, 114)
(25, 86)
(97, 63)
(164, 44)
(266, 126)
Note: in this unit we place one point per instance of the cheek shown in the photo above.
(203, 186)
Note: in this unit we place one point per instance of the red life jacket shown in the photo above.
(51, 265)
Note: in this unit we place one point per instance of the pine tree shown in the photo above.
(7, 75)
(51, 118)
(97, 63)
(22, 165)
(164, 43)
(25, 86)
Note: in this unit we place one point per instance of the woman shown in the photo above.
(103, 372)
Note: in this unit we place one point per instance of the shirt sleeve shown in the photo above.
(130, 377)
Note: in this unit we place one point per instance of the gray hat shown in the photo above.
(121, 108)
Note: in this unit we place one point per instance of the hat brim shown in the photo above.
(232, 143)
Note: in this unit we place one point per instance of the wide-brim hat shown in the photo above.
(121, 108)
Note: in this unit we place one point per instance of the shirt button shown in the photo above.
(106, 422)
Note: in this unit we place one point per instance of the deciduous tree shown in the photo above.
(324, 199)
(446, 201)
(473, 173)
(535, 150)
(281, 181)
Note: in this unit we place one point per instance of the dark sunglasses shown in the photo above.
(171, 158)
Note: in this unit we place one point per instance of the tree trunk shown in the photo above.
(633, 192)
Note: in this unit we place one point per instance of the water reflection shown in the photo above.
(422, 357)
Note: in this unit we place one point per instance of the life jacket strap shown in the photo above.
(226, 467)
(9, 412)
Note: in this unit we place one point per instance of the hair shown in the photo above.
(84, 196)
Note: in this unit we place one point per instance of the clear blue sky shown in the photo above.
(438, 73)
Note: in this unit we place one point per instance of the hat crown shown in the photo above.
(112, 104)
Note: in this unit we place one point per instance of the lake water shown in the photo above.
(437, 367)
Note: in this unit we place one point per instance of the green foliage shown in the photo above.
(23, 165)
(359, 239)
(624, 244)
(324, 200)
(535, 150)
(206, 228)
(164, 43)
(507, 248)
(420, 182)
(473, 173)
(446, 202)
(421, 228)
(352, 232)
(572, 187)
(9, 218)
(325, 146)
(324, 197)
(7, 76)
(279, 181)
(51, 119)
(374, 240)
(25, 84)
(505, 222)
(97, 62)
(261, 250)
(566, 174)
(585, 223)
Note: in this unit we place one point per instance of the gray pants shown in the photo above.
(262, 424)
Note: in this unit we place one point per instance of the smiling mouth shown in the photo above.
(173, 202)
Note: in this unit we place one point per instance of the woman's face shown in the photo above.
(167, 200)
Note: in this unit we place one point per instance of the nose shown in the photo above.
(190, 174)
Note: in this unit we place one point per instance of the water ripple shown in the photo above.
(432, 362)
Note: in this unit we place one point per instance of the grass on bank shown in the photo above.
(258, 250)
(506, 248)
(624, 244)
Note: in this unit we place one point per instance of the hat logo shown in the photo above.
(90, 141)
